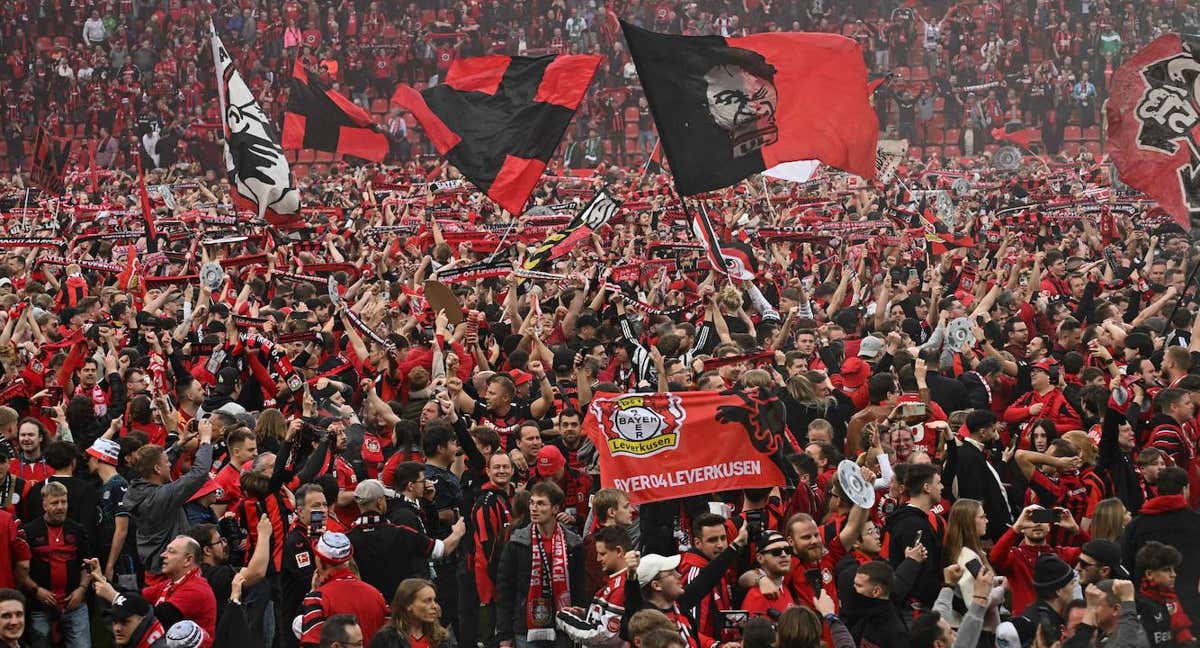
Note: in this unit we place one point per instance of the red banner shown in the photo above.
(664, 446)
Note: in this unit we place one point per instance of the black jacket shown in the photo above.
(1156, 621)
(901, 530)
(512, 584)
(970, 475)
(948, 393)
(873, 622)
(1170, 521)
(389, 637)
(1116, 464)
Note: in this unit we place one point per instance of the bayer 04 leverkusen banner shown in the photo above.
(1153, 113)
(727, 108)
(659, 446)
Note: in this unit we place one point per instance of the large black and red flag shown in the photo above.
(1153, 116)
(727, 108)
(498, 118)
(49, 162)
(319, 118)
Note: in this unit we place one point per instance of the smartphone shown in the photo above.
(913, 275)
(914, 411)
(973, 567)
(1044, 516)
(55, 393)
(316, 524)
(813, 576)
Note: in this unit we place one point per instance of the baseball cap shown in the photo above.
(855, 372)
(652, 564)
(870, 347)
(105, 450)
(1044, 365)
(334, 547)
(129, 605)
(1106, 553)
(369, 490)
(520, 377)
(549, 461)
(209, 486)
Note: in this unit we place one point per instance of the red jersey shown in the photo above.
(191, 595)
(719, 599)
(1016, 562)
(342, 593)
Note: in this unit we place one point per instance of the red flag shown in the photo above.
(727, 108)
(147, 209)
(319, 118)
(1153, 116)
(1021, 137)
(670, 445)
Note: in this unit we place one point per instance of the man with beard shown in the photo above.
(1016, 553)
(774, 558)
(812, 566)
(1046, 400)
(578, 450)
(59, 546)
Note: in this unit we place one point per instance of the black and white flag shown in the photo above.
(254, 161)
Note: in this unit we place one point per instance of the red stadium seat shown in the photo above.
(631, 130)
(914, 152)
(300, 170)
(991, 148)
(62, 42)
(1035, 55)
(1071, 149)
(631, 115)
(951, 151)
(932, 152)
(290, 155)
(1096, 149)
(306, 156)
(904, 72)
(939, 104)
(952, 136)
(3, 148)
(936, 136)
(920, 73)
(1072, 133)
(43, 43)
(379, 106)
(1092, 134)
(324, 156)
(428, 16)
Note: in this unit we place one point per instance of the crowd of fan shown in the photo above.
(250, 466)
(120, 72)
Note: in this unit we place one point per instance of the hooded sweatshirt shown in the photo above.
(158, 509)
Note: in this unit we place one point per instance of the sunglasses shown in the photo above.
(779, 552)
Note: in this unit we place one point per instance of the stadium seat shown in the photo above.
(936, 136)
(379, 106)
(914, 152)
(1096, 149)
(1072, 134)
(991, 148)
(3, 148)
(631, 115)
(920, 73)
(1071, 149)
(952, 135)
(631, 130)
(290, 155)
(1035, 55)
(951, 151)
(306, 156)
(1092, 134)
(904, 72)
(300, 170)
(932, 152)
(428, 16)
(43, 43)
(324, 156)
(939, 104)
(62, 42)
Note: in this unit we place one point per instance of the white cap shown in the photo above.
(652, 564)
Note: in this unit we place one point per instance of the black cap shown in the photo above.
(226, 379)
(129, 605)
(1107, 553)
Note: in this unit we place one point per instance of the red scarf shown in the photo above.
(171, 586)
(1181, 626)
(540, 605)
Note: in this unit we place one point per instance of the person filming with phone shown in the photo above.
(1016, 553)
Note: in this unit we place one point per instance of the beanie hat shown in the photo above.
(1050, 572)
(334, 548)
(186, 634)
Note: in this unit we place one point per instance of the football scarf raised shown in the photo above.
(49, 162)
(258, 172)
(597, 213)
(337, 125)
(727, 108)
(498, 118)
(1153, 112)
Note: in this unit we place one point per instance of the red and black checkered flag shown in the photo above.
(498, 118)
(49, 162)
(338, 125)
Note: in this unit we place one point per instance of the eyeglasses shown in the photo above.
(218, 541)
(778, 553)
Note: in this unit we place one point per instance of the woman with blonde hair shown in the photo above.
(966, 524)
(1109, 520)
(414, 621)
(270, 430)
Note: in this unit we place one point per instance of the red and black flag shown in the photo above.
(49, 162)
(498, 118)
(147, 208)
(727, 108)
(1153, 116)
(338, 125)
